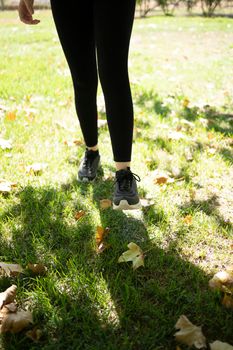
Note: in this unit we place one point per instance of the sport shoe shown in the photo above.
(88, 166)
(126, 194)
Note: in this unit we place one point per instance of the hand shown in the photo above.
(26, 11)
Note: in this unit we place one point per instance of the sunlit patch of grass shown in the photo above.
(179, 69)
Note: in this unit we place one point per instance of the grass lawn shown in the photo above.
(181, 76)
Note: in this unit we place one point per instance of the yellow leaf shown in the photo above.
(38, 269)
(8, 296)
(227, 301)
(188, 219)
(186, 102)
(101, 233)
(79, 214)
(36, 168)
(11, 116)
(105, 203)
(134, 254)
(218, 345)
(189, 334)
(16, 322)
(10, 270)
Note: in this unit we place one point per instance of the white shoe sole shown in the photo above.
(124, 205)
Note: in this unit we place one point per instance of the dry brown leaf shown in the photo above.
(38, 269)
(34, 334)
(189, 334)
(188, 219)
(134, 254)
(79, 214)
(105, 203)
(5, 144)
(8, 296)
(223, 280)
(218, 345)
(10, 270)
(101, 234)
(16, 322)
(73, 143)
(227, 301)
(36, 168)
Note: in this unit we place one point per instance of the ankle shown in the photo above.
(122, 165)
(93, 148)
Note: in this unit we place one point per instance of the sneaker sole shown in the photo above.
(124, 205)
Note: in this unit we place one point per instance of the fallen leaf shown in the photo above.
(10, 270)
(36, 168)
(189, 334)
(5, 144)
(134, 254)
(218, 345)
(78, 142)
(8, 296)
(186, 102)
(11, 116)
(227, 301)
(101, 234)
(223, 280)
(16, 322)
(79, 214)
(73, 143)
(38, 269)
(34, 334)
(188, 219)
(105, 203)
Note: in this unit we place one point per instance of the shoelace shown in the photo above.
(87, 160)
(125, 179)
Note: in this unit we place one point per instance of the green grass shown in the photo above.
(89, 301)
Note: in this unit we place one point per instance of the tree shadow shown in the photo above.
(142, 306)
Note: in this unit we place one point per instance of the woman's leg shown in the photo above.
(74, 23)
(113, 26)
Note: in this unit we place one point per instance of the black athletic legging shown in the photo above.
(102, 28)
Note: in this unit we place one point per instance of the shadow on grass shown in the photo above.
(89, 301)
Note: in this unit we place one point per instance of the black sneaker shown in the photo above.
(126, 194)
(88, 166)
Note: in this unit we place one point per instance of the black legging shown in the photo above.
(84, 26)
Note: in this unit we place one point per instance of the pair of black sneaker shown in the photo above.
(125, 191)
